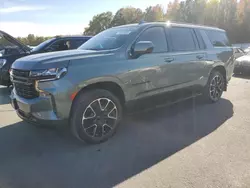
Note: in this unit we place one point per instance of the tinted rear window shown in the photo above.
(182, 39)
(75, 43)
(217, 38)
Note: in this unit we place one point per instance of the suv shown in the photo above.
(11, 49)
(90, 87)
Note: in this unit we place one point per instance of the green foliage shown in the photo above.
(155, 13)
(99, 23)
(231, 15)
(32, 40)
(127, 15)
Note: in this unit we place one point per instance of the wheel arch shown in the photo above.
(222, 70)
(110, 84)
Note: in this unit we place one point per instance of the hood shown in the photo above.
(245, 58)
(55, 59)
(14, 41)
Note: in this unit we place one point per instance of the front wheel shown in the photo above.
(215, 87)
(95, 116)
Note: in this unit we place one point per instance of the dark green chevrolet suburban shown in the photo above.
(90, 87)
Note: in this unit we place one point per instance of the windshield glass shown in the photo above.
(109, 39)
(42, 45)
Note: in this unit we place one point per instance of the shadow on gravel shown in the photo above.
(35, 157)
(4, 95)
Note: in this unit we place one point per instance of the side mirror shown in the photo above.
(142, 47)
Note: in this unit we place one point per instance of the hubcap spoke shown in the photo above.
(106, 105)
(91, 127)
(112, 110)
(94, 132)
(107, 126)
(92, 114)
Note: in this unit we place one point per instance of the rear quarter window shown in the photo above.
(218, 38)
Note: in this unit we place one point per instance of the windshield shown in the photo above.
(42, 45)
(109, 39)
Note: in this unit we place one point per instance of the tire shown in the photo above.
(95, 116)
(214, 87)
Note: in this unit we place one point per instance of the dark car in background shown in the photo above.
(11, 49)
(60, 43)
(242, 65)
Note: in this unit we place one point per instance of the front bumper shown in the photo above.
(39, 110)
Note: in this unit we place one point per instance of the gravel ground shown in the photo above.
(184, 145)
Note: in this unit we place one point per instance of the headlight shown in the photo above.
(2, 62)
(48, 74)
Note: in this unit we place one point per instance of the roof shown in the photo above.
(178, 24)
(73, 36)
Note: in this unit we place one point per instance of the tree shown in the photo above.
(32, 40)
(99, 23)
(127, 16)
(155, 13)
(173, 11)
(211, 12)
(231, 15)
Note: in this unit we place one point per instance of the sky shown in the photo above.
(58, 17)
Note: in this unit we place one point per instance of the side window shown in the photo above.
(75, 43)
(157, 36)
(217, 38)
(182, 39)
(58, 46)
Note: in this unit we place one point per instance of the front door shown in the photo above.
(145, 76)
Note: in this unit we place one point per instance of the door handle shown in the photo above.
(169, 59)
(200, 56)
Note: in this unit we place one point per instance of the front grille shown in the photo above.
(24, 86)
(20, 73)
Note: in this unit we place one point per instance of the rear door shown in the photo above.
(186, 58)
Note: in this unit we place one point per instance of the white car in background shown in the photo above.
(247, 50)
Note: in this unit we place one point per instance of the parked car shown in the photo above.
(242, 65)
(117, 69)
(238, 52)
(11, 49)
(247, 50)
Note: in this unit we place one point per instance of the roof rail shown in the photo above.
(193, 24)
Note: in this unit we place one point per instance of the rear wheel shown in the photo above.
(95, 116)
(214, 88)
